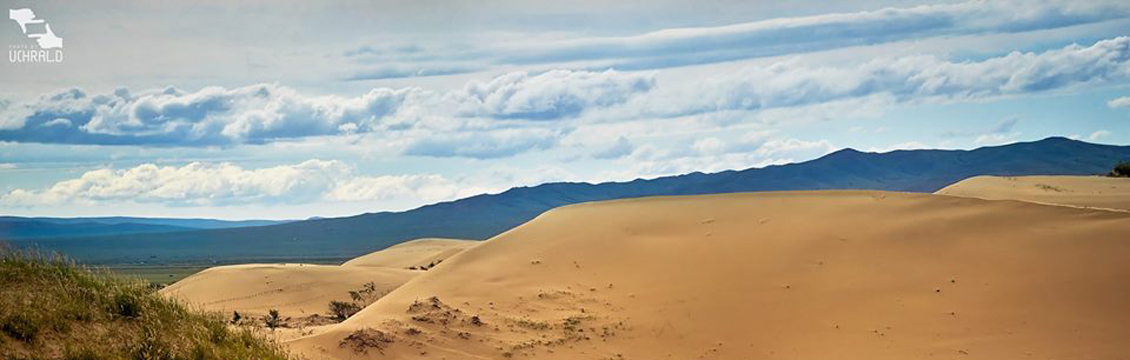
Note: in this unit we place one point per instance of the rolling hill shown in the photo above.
(483, 216)
(15, 227)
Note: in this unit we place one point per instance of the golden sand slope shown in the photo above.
(295, 290)
(1082, 191)
(415, 253)
(785, 275)
(299, 290)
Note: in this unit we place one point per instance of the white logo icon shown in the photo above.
(46, 40)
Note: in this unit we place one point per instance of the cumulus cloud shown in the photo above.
(271, 112)
(1122, 102)
(903, 79)
(995, 139)
(226, 184)
(552, 95)
(210, 116)
(520, 111)
(774, 37)
(1095, 136)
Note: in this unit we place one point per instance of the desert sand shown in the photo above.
(299, 290)
(294, 289)
(1082, 191)
(777, 275)
(416, 253)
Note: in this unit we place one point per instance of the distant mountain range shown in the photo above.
(483, 216)
(15, 227)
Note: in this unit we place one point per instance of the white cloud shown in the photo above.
(429, 188)
(271, 112)
(772, 37)
(1122, 102)
(903, 79)
(226, 184)
(1095, 136)
(995, 138)
(521, 112)
(552, 95)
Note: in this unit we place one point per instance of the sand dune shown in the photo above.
(415, 253)
(782, 275)
(294, 289)
(299, 290)
(1082, 191)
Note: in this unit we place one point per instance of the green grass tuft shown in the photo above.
(53, 308)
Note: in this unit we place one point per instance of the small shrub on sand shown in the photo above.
(1122, 169)
(53, 308)
(342, 310)
(362, 340)
(273, 319)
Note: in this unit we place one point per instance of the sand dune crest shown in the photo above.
(788, 275)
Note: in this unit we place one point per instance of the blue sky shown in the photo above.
(285, 109)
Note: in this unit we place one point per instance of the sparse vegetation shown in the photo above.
(362, 340)
(52, 308)
(367, 294)
(273, 319)
(427, 267)
(342, 310)
(1047, 187)
(1122, 169)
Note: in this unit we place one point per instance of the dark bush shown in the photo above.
(1122, 169)
(342, 310)
(273, 320)
(20, 327)
(127, 305)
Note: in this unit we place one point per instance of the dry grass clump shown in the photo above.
(53, 308)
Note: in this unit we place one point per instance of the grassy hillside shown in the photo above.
(51, 308)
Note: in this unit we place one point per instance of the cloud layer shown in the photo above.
(905, 79)
(226, 184)
(773, 37)
(520, 112)
(271, 112)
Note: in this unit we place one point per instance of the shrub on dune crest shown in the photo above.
(342, 310)
(1122, 169)
(53, 308)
